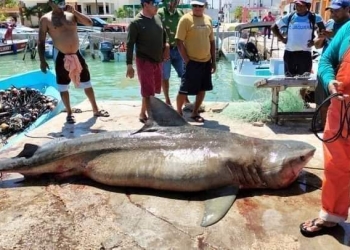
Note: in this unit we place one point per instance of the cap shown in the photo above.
(198, 2)
(302, 2)
(153, 1)
(337, 4)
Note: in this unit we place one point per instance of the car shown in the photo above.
(100, 25)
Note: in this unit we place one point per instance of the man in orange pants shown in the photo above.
(334, 68)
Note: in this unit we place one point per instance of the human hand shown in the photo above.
(213, 67)
(335, 87)
(284, 40)
(44, 66)
(310, 43)
(328, 33)
(130, 72)
(70, 8)
(166, 53)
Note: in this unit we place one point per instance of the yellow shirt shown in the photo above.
(196, 33)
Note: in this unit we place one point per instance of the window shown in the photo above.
(88, 9)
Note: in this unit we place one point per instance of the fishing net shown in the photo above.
(259, 110)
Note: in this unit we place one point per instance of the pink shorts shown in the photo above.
(150, 77)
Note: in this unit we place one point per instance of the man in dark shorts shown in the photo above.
(146, 32)
(195, 41)
(61, 25)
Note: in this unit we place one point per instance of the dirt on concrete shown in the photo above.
(76, 213)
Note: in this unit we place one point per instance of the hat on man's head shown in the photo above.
(302, 2)
(198, 2)
(337, 4)
(153, 1)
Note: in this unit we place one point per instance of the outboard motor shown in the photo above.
(252, 52)
(105, 51)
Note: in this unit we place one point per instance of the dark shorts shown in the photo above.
(297, 62)
(62, 75)
(196, 78)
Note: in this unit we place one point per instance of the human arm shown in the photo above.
(182, 50)
(166, 46)
(331, 58)
(41, 43)
(79, 17)
(130, 43)
(180, 37)
(276, 28)
(212, 51)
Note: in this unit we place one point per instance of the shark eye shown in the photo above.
(302, 158)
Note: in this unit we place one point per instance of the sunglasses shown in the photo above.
(155, 4)
(197, 6)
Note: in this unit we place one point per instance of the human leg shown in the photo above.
(289, 63)
(179, 65)
(198, 102)
(150, 78)
(180, 101)
(336, 181)
(165, 81)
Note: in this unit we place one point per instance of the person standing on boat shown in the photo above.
(61, 25)
(195, 41)
(146, 32)
(170, 16)
(340, 15)
(300, 28)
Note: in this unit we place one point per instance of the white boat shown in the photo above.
(12, 46)
(228, 46)
(250, 66)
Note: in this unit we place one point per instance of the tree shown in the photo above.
(238, 13)
(28, 13)
(10, 3)
(120, 13)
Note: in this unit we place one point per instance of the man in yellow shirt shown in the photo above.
(195, 41)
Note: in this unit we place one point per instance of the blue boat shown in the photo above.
(46, 84)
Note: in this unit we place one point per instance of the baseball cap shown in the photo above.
(337, 4)
(302, 2)
(198, 2)
(153, 1)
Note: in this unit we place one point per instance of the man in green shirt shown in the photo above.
(170, 16)
(146, 32)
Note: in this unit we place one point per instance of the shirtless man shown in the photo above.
(61, 25)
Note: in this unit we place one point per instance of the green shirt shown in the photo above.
(149, 37)
(170, 21)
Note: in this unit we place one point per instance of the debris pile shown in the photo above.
(19, 108)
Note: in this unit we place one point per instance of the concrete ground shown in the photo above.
(76, 213)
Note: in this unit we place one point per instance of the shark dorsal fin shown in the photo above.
(163, 115)
(28, 150)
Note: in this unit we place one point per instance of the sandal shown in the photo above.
(321, 228)
(102, 113)
(70, 119)
(197, 118)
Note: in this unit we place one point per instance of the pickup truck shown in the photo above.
(103, 26)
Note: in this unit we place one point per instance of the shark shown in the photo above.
(168, 153)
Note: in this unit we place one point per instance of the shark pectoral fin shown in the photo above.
(218, 206)
(28, 150)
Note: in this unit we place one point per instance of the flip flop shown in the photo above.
(321, 229)
(197, 118)
(102, 113)
(70, 119)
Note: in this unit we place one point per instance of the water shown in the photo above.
(110, 83)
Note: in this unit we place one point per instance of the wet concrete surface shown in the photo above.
(77, 213)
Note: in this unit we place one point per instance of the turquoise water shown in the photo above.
(110, 83)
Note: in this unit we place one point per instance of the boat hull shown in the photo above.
(46, 84)
(13, 47)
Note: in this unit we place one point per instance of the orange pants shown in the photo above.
(336, 182)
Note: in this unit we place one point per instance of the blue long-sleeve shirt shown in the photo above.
(333, 55)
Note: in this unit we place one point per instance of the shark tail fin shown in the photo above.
(28, 150)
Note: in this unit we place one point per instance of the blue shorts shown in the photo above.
(176, 61)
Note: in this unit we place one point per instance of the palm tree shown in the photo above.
(28, 12)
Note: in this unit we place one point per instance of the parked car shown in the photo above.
(103, 26)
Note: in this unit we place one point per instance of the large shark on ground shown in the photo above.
(170, 154)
